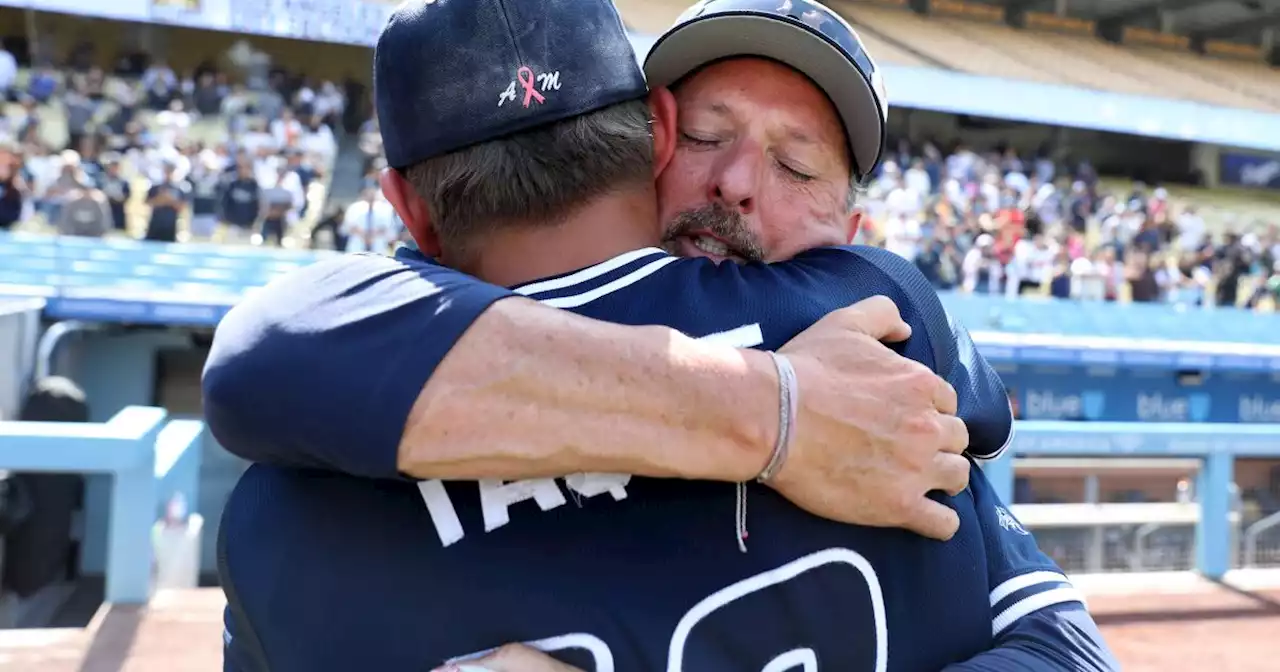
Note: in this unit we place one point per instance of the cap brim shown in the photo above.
(711, 38)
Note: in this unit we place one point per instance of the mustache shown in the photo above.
(728, 225)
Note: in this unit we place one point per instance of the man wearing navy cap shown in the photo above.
(636, 574)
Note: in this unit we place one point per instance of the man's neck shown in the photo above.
(601, 230)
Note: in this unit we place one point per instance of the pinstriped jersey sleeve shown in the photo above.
(1039, 621)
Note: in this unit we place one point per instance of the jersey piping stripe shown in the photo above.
(1008, 440)
(1032, 604)
(586, 274)
(609, 287)
(1025, 581)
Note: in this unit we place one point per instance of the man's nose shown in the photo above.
(737, 180)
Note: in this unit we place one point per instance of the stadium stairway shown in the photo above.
(348, 170)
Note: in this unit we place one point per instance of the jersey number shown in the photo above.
(826, 607)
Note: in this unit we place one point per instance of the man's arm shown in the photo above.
(565, 404)
(1039, 620)
(438, 347)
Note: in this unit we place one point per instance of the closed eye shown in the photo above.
(795, 174)
(697, 141)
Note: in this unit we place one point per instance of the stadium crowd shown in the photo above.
(999, 222)
(212, 159)
(208, 159)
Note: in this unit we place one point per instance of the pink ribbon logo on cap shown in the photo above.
(525, 76)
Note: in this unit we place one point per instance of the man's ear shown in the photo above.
(412, 210)
(662, 108)
(853, 224)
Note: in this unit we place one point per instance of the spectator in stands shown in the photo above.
(1191, 230)
(329, 105)
(304, 98)
(161, 85)
(85, 212)
(327, 233)
(318, 141)
(167, 200)
(8, 74)
(304, 166)
(117, 190)
(70, 176)
(1030, 266)
(902, 229)
(370, 141)
(242, 202)
(42, 85)
(81, 110)
(172, 124)
(281, 200)
(269, 103)
(917, 179)
(1231, 263)
(124, 95)
(981, 270)
(256, 141)
(1146, 282)
(370, 224)
(13, 188)
(28, 120)
(286, 131)
(207, 95)
(205, 182)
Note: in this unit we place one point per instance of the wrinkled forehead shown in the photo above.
(744, 87)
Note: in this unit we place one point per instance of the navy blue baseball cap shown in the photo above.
(452, 73)
(803, 34)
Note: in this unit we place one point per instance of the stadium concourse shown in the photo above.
(1085, 183)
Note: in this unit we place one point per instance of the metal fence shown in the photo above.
(1211, 534)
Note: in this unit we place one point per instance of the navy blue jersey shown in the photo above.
(329, 572)
(609, 572)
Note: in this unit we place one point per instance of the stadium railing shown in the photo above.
(1215, 446)
(150, 458)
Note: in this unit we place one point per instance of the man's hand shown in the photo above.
(875, 431)
(512, 658)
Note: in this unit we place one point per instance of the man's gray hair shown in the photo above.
(856, 189)
(536, 177)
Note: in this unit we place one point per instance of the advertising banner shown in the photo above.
(1249, 170)
(1142, 396)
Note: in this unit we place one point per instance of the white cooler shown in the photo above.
(177, 553)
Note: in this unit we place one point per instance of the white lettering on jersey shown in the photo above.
(804, 660)
(590, 485)
(496, 497)
(600, 652)
(685, 639)
(441, 510)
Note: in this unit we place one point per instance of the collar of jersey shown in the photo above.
(583, 275)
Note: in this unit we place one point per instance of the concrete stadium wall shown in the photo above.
(119, 370)
(19, 331)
